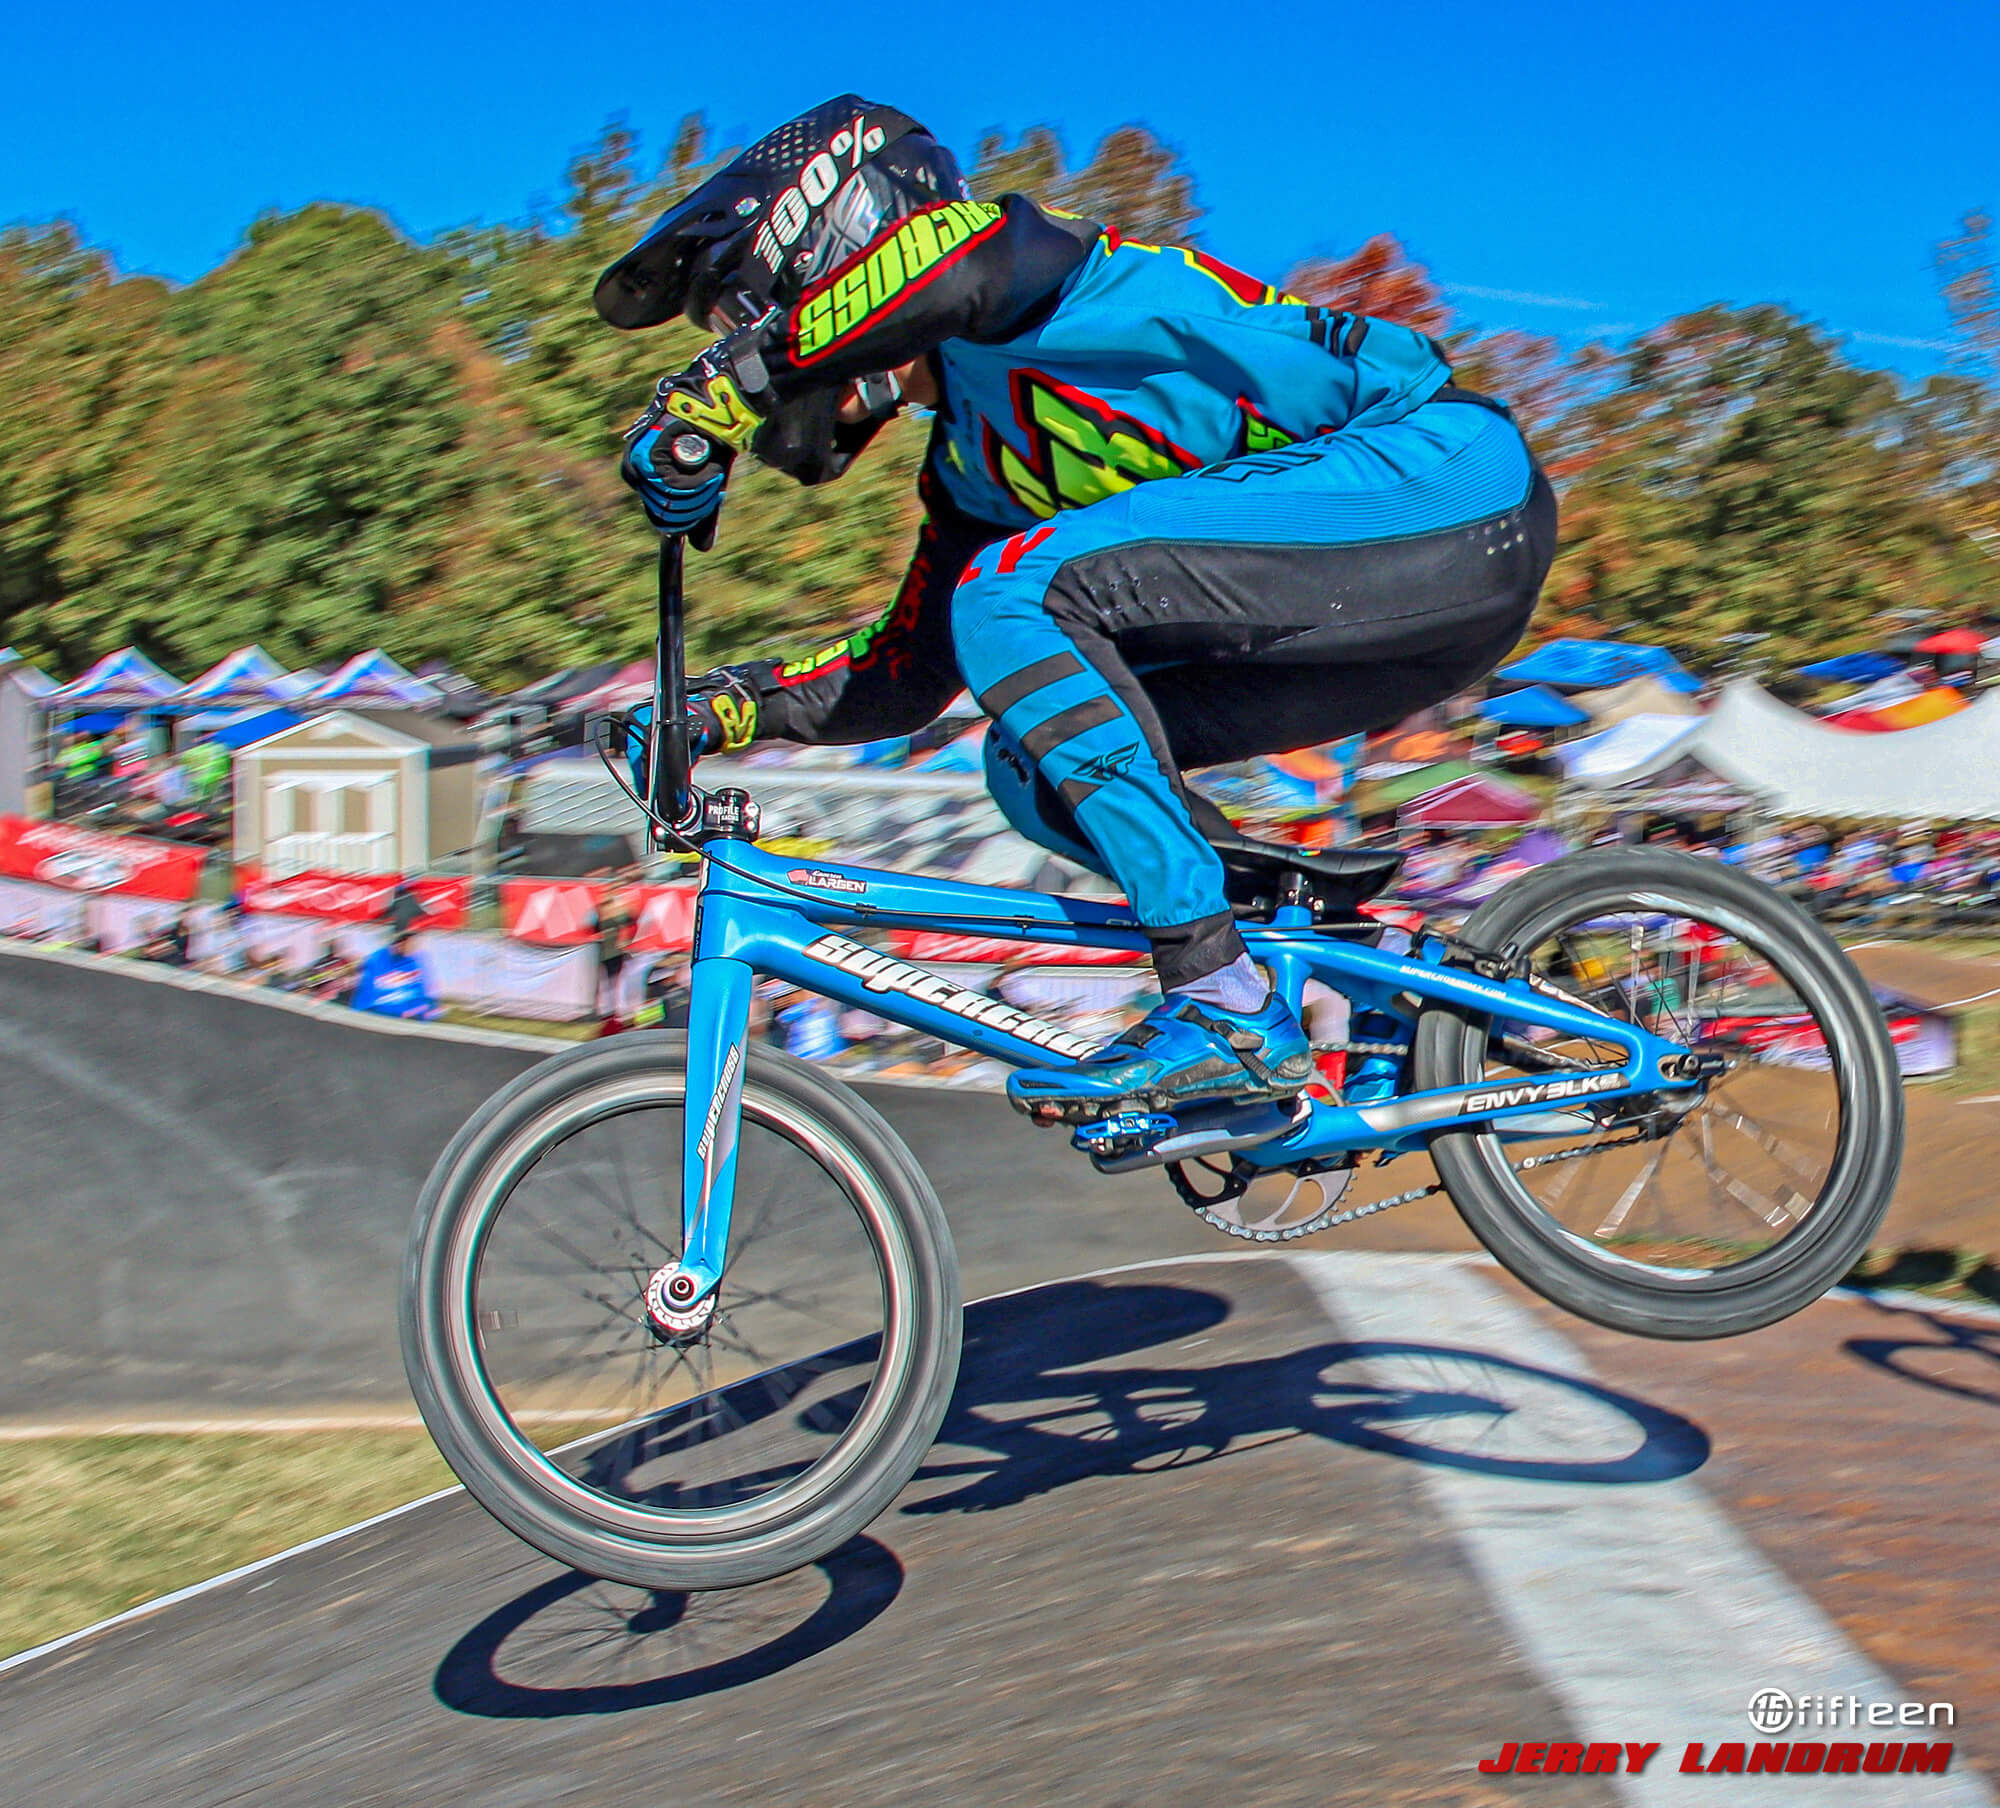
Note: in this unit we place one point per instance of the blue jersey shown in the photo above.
(1155, 362)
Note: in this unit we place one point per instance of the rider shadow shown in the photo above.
(1053, 1389)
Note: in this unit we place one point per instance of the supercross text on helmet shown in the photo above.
(786, 211)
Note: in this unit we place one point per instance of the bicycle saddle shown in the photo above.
(1334, 881)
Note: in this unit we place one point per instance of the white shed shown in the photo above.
(348, 793)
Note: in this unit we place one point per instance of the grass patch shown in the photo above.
(521, 1026)
(1949, 1276)
(1978, 1069)
(90, 1526)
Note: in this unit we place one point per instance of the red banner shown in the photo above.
(559, 913)
(937, 945)
(53, 853)
(352, 897)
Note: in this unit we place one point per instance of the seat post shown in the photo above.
(1288, 972)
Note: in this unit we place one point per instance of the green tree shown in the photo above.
(341, 438)
(1133, 181)
(1746, 478)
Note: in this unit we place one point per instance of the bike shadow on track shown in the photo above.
(1960, 1359)
(1061, 1384)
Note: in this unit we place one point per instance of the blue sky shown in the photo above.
(1566, 168)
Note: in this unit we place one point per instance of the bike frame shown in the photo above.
(763, 914)
(760, 913)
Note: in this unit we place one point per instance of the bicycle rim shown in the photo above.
(1701, 1188)
(705, 1441)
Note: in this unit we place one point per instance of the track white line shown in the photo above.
(1641, 1606)
(259, 1427)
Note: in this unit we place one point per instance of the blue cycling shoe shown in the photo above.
(1180, 1053)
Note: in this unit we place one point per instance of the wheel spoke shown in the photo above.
(1737, 1193)
(1630, 1197)
(1772, 1145)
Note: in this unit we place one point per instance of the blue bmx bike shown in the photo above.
(683, 1312)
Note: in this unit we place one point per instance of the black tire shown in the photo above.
(630, 1540)
(1450, 1049)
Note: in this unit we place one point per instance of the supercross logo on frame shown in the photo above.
(881, 973)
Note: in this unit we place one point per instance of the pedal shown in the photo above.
(1127, 1140)
(1122, 1133)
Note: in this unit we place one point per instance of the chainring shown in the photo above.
(1294, 1215)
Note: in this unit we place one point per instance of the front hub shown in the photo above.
(671, 1307)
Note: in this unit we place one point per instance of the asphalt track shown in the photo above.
(1315, 1528)
(206, 1194)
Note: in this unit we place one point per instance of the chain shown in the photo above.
(1572, 1153)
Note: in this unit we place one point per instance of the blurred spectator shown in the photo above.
(168, 943)
(406, 909)
(166, 783)
(392, 983)
(665, 1006)
(329, 975)
(206, 764)
(811, 1027)
(133, 752)
(617, 924)
(82, 761)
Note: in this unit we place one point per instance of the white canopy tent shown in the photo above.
(1947, 770)
(1633, 749)
(1797, 766)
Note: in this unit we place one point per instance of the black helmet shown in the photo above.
(789, 209)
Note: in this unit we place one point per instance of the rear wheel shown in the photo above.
(1680, 1214)
(755, 1444)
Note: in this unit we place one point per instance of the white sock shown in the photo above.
(1236, 987)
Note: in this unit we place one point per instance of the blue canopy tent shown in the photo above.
(250, 725)
(1535, 707)
(247, 676)
(1855, 668)
(1592, 665)
(126, 679)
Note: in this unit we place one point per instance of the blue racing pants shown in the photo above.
(1268, 603)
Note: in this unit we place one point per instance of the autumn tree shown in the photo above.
(341, 437)
(1965, 266)
(1380, 279)
(1746, 479)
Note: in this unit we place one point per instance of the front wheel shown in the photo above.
(668, 1460)
(1683, 1214)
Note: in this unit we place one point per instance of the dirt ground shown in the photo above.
(1949, 1197)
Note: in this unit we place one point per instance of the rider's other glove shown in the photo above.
(721, 717)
